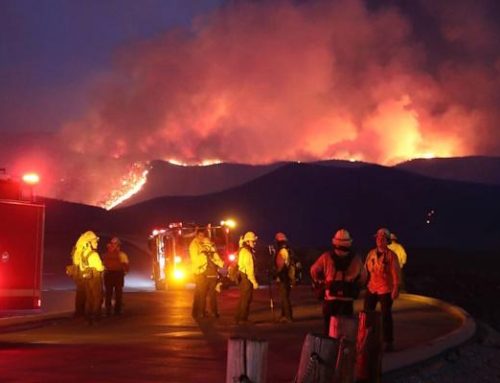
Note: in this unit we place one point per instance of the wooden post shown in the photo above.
(246, 361)
(344, 369)
(344, 327)
(318, 359)
(369, 348)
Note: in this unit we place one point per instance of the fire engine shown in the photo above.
(21, 243)
(169, 246)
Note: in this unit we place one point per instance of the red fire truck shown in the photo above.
(169, 248)
(21, 244)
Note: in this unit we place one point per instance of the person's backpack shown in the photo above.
(233, 271)
(294, 269)
(343, 288)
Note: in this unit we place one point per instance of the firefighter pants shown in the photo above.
(211, 295)
(286, 306)
(79, 296)
(335, 307)
(200, 292)
(246, 294)
(93, 297)
(113, 284)
(386, 308)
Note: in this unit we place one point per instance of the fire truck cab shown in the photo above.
(169, 247)
(21, 244)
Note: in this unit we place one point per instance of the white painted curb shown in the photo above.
(414, 355)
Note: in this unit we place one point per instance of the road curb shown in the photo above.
(32, 318)
(430, 349)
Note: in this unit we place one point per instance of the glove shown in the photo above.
(395, 294)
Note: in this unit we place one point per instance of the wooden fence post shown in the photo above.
(345, 329)
(317, 359)
(369, 348)
(346, 360)
(246, 361)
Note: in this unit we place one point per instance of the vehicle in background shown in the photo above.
(169, 247)
(21, 243)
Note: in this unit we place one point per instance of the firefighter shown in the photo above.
(285, 275)
(338, 275)
(248, 282)
(90, 275)
(402, 258)
(116, 265)
(199, 266)
(212, 277)
(383, 268)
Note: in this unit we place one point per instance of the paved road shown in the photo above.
(157, 340)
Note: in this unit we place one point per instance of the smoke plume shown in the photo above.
(262, 81)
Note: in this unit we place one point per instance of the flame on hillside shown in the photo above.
(207, 162)
(130, 184)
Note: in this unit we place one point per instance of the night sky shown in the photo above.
(92, 87)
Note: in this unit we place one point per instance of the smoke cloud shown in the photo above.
(257, 82)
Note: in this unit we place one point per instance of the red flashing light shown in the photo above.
(31, 178)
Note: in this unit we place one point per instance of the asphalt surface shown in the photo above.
(157, 340)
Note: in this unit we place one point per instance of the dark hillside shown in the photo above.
(309, 202)
(469, 169)
(165, 179)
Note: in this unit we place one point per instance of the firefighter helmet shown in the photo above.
(279, 237)
(384, 233)
(342, 238)
(85, 239)
(249, 236)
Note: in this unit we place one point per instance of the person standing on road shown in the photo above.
(199, 266)
(90, 272)
(285, 275)
(116, 265)
(214, 262)
(248, 283)
(383, 268)
(338, 274)
(402, 258)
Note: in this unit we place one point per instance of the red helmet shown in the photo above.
(279, 237)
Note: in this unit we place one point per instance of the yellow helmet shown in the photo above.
(86, 238)
(249, 236)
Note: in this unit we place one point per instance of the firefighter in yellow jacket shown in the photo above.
(198, 265)
(247, 274)
(89, 279)
(214, 262)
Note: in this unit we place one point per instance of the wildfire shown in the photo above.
(206, 162)
(130, 184)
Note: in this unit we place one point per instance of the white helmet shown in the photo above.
(342, 238)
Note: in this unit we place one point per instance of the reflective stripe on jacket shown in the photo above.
(384, 270)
